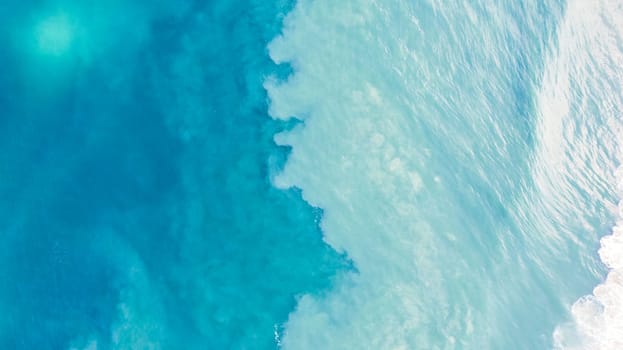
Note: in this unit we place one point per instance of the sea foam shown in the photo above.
(454, 169)
(580, 131)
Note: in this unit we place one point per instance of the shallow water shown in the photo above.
(465, 156)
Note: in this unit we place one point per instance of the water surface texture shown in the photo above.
(311, 174)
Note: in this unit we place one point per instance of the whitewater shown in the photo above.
(465, 156)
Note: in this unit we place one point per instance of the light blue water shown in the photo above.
(435, 175)
(465, 156)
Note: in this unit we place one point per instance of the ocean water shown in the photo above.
(136, 206)
(311, 174)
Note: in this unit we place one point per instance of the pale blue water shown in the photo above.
(310, 174)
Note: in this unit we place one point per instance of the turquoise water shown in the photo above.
(137, 211)
(311, 174)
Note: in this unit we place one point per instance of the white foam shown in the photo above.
(409, 142)
(598, 318)
(580, 127)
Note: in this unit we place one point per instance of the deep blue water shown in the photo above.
(135, 170)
